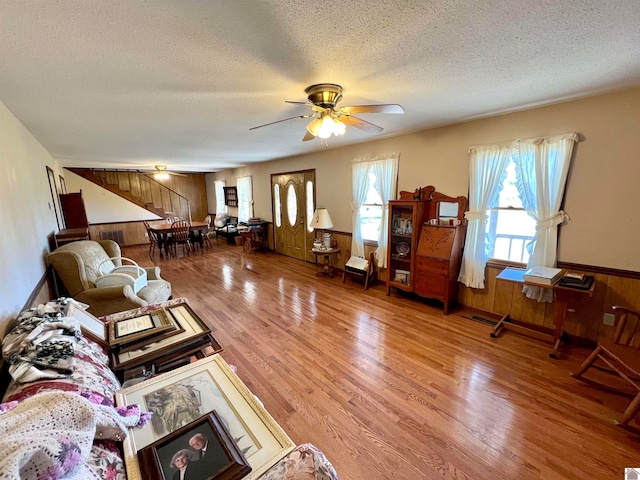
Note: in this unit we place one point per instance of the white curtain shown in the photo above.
(360, 174)
(487, 168)
(219, 189)
(386, 173)
(542, 165)
(245, 199)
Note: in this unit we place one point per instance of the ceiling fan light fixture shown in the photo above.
(327, 127)
(161, 176)
(314, 126)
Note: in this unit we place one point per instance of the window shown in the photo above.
(310, 206)
(509, 181)
(374, 184)
(245, 199)
(278, 207)
(371, 211)
(219, 189)
(510, 230)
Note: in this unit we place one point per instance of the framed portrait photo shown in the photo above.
(201, 450)
(181, 396)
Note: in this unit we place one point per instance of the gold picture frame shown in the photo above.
(128, 330)
(195, 390)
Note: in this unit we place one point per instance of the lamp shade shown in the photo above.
(321, 219)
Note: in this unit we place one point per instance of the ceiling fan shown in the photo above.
(328, 119)
(162, 173)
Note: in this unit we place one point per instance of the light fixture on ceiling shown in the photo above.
(161, 173)
(325, 126)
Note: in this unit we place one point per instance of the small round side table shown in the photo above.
(327, 269)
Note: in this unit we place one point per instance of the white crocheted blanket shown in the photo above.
(50, 435)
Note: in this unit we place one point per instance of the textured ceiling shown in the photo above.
(129, 84)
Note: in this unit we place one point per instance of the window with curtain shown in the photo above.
(532, 173)
(374, 184)
(219, 190)
(245, 199)
(510, 230)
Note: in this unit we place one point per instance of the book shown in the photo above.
(542, 275)
(583, 284)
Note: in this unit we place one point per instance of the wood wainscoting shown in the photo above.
(584, 318)
(584, 315)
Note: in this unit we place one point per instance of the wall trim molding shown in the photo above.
(603, 270)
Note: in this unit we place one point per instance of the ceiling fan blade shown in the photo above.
(389, 108)
(176, 174)
(283, 120)
(315, 108)
(308, 136)
(360, 124)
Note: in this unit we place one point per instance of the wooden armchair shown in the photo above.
(621, 357)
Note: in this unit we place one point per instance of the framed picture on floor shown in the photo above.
(194, 330)
(201, 450)
(181, 396)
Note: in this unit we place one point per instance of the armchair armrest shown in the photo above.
(153, 273)
(107, 300)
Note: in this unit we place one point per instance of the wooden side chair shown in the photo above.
(154, 240)
(621, 357)
(180, 236)
(206, 231)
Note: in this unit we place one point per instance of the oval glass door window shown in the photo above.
(292, 205)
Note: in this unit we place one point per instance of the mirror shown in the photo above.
(448, 209)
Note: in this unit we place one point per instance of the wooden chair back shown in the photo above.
(619, 357)
(627, 331)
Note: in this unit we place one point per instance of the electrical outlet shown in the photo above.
(609, 319)
(146, 234)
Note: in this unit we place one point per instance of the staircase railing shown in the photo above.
(146, 192)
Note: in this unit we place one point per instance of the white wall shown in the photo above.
(102, 206)
(26, 213)
(602, 188)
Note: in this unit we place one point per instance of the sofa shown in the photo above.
(63, 422)
(78, 264)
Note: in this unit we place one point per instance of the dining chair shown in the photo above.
(620, 357)
(206, 231)
(180, 236)
(154, 240)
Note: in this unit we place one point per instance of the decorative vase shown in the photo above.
(326, 240)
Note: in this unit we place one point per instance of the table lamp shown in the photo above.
(320, 221)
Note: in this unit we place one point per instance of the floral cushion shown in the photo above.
(305, 462)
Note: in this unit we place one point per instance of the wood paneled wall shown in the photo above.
(585, 314)
(584, 318)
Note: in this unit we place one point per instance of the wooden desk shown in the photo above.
(560, 310)
(254, 236)
(326, 268)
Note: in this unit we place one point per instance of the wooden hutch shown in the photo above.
(426, 237)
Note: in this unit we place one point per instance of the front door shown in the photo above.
(293, 206)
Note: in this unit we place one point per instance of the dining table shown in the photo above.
(164, 229)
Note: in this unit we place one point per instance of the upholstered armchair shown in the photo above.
(78, 266)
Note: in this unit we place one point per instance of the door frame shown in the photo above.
(308, 175)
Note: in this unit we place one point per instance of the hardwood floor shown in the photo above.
(390, 388)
